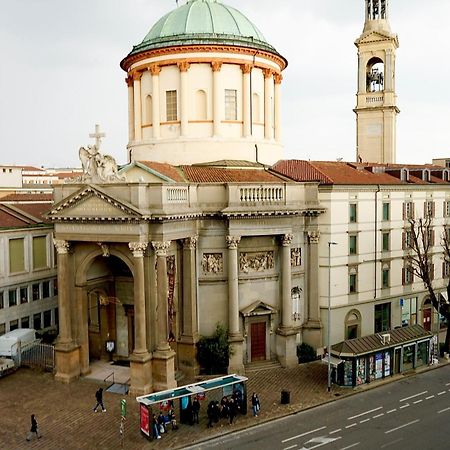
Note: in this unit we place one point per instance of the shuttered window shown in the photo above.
(16, 255)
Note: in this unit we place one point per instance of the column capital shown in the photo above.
(286, 239)
(154, 69)
(138, 248)
(190, 242)
(129, 80)
(313, 236)
(216, 66)
(268, 73)
(62, 246)
(161, 247)
(136, 75)
(277, 78)
(233, 242)
(183, 66)
(246, 68)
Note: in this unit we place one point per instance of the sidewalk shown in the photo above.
(66, 420)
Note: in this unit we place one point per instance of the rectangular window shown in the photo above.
(385, 281)
(409, 311)
(407, 239)
(35, 291)
(25, 322)
(2, 328)
(47, 319)
(12, 297)
(408, 210)
(16, 255)
(386, 211)
(230, 104)
(386, 241)
(352, 283)
(352, 213)
(408, 274)
(171, 106)
(55, 286)
(40, 252)
(352, 240)
(428, 209)
(2, 300)
(382, 317)
(13, 325)
(23, 295)
(46, 289)
(445, 269)
(447, 209)
(37, 321)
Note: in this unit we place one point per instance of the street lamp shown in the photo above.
(330, 243)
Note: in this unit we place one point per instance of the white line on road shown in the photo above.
(335, 431)
(388, 444)
(404, 406)
(364, 413)
(351, 425)
(440, 393)
(402, 426)
(412, 396)
(378, 415)
(443, 410)
(430, 396)
(418, 401)
(350, 446)
(289, 448)
(447, 384)
(391, 411)
(364, 421)
(301, 435)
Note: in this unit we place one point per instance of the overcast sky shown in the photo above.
(60, 74)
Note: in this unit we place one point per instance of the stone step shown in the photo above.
(262, 365)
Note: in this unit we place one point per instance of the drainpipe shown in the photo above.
(376, 239)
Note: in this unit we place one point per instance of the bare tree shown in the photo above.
(420, 259)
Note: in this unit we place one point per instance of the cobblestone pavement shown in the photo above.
(66, 420)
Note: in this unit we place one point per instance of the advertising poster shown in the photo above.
(145, 419)
(360, 371)
(372, 368)
(379, 365)
(387, 364)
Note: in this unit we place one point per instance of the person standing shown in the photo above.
(256, 406)
(195, 410)
(155, 426)
(33, 429)
(232, 410)
(99, 398)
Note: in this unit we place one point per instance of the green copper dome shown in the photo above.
(203, 22)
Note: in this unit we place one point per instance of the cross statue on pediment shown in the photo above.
(97, 135)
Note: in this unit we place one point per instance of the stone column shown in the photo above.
(67, 357)
(286, 318)
(268, 94)
(137, 106)
(186, 348)
(140, 328)
(388, 86)
(277, 106)
(156, 116)
(218, 98)
(164, 356)
(129, 81)
(246, 99)
(184, 100)
(236, 364)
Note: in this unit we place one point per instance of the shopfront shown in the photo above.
(381, 355)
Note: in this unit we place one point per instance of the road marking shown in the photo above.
(402, 426)
(430, 396)
(289, 448)
(391, 411)
(378, 415)
(404, 406)
(350, 446)
(335, 431)
(391, 443)
(447, 384)
(364, 413)
(364, 421)
(351, 425)
(443, 410)
(301, 435)
(440, 393)
(418, 401)
(320, 441)
(412, 396)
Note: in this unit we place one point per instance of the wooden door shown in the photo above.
(258, 341)
(427, 319)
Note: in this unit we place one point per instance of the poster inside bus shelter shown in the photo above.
(145, 419)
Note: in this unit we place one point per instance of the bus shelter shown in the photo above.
(213, 389)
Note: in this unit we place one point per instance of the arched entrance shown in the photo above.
(427, 314)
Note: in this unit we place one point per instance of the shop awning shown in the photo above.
(333, 360)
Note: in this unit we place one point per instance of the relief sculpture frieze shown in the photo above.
(212, 262)
(256, 261)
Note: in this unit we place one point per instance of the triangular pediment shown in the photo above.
(376, 36)
(93, 203)
(258, 308)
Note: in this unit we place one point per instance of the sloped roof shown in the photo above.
(27, 198)
(374, 342)
(205, 174)
(165, 169)
(23, 214)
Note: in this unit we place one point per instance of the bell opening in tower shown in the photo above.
(375, 75)
(376, 9)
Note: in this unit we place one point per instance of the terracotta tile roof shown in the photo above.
(10, 221)
(207, 174)
(299, 170)
(27, 198)
(165, 169)
(23, 214)
(35, 209)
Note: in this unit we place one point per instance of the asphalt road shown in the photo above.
(413, 413)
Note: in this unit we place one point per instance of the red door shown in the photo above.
(258, 341)
(427, 319)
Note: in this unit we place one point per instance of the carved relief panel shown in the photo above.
(296, 257)
(212, 263)
(256, 261)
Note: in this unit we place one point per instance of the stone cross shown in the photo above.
(97, 135)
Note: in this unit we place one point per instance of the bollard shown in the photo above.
(285, 397)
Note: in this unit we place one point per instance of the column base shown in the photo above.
(287, 347)
(67, 362)
(312, 334)
(236, 360)
(187, 356)
(164, 370)
(141, 374)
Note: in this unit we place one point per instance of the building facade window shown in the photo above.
(46, 289)
(40, 252)
(2, 328)
(409, 311)
(446, 209)
(352, 213)
(408, 210)
(407, 274)
(23, 295)
(382, 317)
(386, 211)
(445, 269)
(14, 324)
(428, 209)
(171, 106)
(37, 321)
(35, 292)
(353, 325)
(386, 238)
(47, 318)
(12, 297)
(385, 274)
(352, 244)
(25, 322)
(230, 104)
(16, 255)
(2, 300)
(407, 239)
(353, 280)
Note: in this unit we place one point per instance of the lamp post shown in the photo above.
(330, 243)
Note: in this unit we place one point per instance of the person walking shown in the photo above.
(33, 429)
(155, 426)
(195, 410)
(210, 413)
(232, 410)
(256, 406)
(99, 398)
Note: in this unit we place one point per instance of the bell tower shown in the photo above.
(376, 108)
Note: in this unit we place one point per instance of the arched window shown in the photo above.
(353, 324)
(200, 105)
(375, 75)
(256, 108)
(148, 110)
